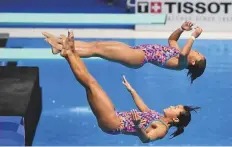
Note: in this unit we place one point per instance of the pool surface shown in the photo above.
(67, 120)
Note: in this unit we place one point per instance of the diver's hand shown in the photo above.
(197, 32)
(187, 26)
(135, 118)
(126, 83)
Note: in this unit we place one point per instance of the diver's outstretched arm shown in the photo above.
(137, 99)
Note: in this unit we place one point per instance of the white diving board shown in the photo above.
(10, 54)
(79, 18)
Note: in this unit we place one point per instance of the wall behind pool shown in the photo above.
(67, 6)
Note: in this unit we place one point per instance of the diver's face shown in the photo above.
(195, 56)
(173, 111)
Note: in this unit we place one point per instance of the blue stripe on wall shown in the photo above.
(66, 26)
(70, 6)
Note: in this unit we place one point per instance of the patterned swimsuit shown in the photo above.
(128, 125)
(157, 54)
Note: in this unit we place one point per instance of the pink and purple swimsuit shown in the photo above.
(157, 54)
(128, 125)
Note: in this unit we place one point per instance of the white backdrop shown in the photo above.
(211, 15)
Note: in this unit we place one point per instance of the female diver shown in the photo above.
(146, 123)
(170, 57)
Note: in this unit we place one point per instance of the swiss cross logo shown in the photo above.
(156, 7)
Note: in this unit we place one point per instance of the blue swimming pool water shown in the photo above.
(67, 120)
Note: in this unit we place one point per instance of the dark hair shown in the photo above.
(196, 70)
(184, 119)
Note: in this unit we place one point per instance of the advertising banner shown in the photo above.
(210, 15)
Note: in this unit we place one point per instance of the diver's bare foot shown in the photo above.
(53, 41)
(54, 50)
(65, 53)
(68, 44)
